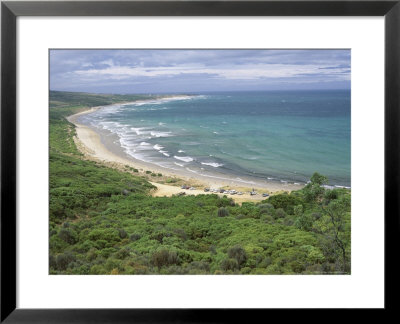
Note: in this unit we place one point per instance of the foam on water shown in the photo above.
(160, 134)
(213, 164)
(158, 147)
(184, 158)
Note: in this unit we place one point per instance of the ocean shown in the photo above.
(282, 136)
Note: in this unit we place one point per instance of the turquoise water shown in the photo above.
(277, 135)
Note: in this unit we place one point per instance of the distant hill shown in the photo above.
(67, 99)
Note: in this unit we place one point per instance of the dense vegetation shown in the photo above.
(103, 221)
(75, 99)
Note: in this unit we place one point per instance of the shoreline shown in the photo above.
(100, 146)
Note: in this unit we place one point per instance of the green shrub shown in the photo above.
(67, 235)
(280, 213)
(164, 258)
(134, 237)
(199, 265)
(52, 262)
(268, 219)
(223, 212)
(266, 209)
(64, 259)
(316, 215)
(109, 235)
(237, 253)
(122, 233)
(229, 264)
(331, 194)
(171, 180)
(97, 269)
(285, 201)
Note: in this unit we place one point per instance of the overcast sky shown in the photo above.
(158, 71)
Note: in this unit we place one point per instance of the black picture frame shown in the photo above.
(10, 10)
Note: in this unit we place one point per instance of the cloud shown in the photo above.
(86, 68)
(235, 72)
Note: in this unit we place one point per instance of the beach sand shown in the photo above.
(101, 148)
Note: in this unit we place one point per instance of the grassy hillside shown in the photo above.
(103, 221)
(67, 99)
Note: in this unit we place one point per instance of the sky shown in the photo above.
(191, 71)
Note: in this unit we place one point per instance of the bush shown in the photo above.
(331, 194)
(171, 180)
(122, 233)
(304, 222)
(316, 215)
(285, 201)
(68, 236)
(164, 258)
(122, 253)
(180, 233)
(288, 221)
(266, 209)
(135, 237)
(229, 264)
(110, 235)
(52, 262)
(63, 260)
(265, 262)
(237, 253)
(268, 219)
(280, 213)
(199, 265)
(97, 269)
(298, 210)
(91, 254)
(223, 212)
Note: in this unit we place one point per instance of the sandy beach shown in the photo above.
(102, 148)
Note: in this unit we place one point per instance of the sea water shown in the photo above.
(281, 136)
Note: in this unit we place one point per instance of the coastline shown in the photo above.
(100, 146)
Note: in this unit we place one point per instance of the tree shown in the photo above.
(303, 221)
(314, 191)
(333, 228)
(285, 201)
(319, 179)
